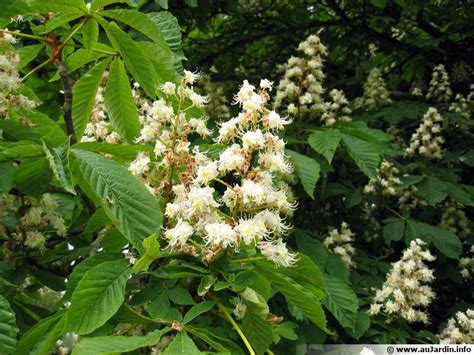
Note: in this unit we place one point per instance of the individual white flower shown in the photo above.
(140, 165)
(190, 77)
(253, 139)
(220, 234)
(251, 230)
(277, 252)
(206, 173)
(159, 149)
(200, 127)
(197, 100)
(232, 159)
(274, 121)
(169, 88)
(266, 84)
(179, 234)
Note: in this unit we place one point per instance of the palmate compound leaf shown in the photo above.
(117, 344)
(97, 297)
(325, 142)
(127, 202)
(365, 154)
(8, 327)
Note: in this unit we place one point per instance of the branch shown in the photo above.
(67, 107)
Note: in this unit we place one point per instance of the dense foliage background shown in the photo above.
(379, 96)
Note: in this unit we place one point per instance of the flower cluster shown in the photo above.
(386, 181)
(300, 91)
(340, 243)
(10, 99)
(462, 104)
(454, 219)
(219, 203)
(460, 329)
(406, 290)
(375, 92)
(98, 128)
(466, 264)
(336, 109)
(427, 140)
(410, 199)
(439, 89)
(40, 221)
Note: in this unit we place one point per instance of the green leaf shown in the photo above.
(325, 142)
(28, 54)
(459, 194)
(97, 4)
(37, 334)
(78, 272)
(19, 150)
(446, 242)
(162, 61)
(257, 330)
(90, 33)
(8, 327)
(379, 3)
(117, 344)
(361, 326)
(97, 297)
(83, 96)
(58, 159)
(152, 252)
(61, 19)
(47, 344)
(126, 200)
(7, 174)
(121, 152)
(33, 176)
(172, 32)
(294, 292)
(341, 301)
(432, 190)
(257, 301)
(393, 230)
(181, 345)
(180, 296)
(307, 169)
(138, 63)
(197, 310)
(365, 154)
(118, 99)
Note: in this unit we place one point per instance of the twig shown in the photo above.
(67, 88)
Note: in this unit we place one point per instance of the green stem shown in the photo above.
(68, 38)
(247, 260)
(25, 35)
(225, 184)
(34, 70)
(231, 320)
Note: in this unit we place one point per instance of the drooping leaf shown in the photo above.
(433, 190)
(325, 142)
(98, 295)
(33, 176)
(58, 159)
(393, 230)
(341, 301)
(307, 170)
(138, 63)
(117, 344)
(83, 96)
(365, 154)
(197, 310)
(181, 345)
(90, 33)
(128, 203)
(152, 252)
(361, 326)
(28, 54)
(257, 330)
(120, 152)
(8, 327)
(97, 4)
(118, 99)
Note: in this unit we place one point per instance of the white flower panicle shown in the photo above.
(207, 215)
(386, 181)
(454, 219)
(460, 329)
(410, 199)
(406, 291)
(375, 94)
(462, 104)
(336, 109)
(466, 264)
(340, 243)
(300, 90)
(439, 90)
(10, 99)
(427, 140)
